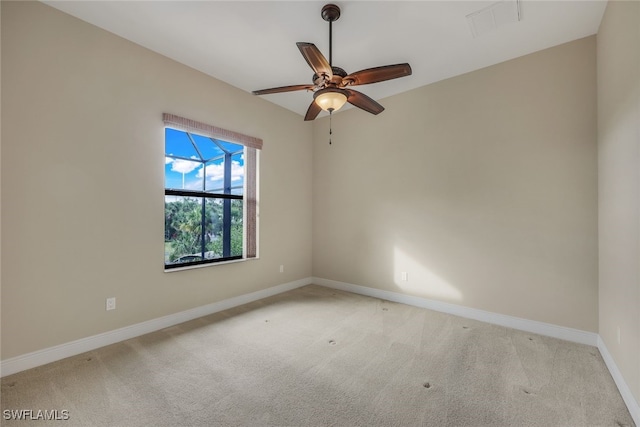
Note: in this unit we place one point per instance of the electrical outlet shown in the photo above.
(111, 303)
(404, 276)
(281, 268)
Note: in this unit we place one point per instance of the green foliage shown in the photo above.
(184, 228)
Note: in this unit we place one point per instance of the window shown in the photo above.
(210, 194)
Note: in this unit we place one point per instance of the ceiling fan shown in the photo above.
(331, 85)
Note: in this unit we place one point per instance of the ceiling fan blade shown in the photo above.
(282, 89)
(377, 74)
(361, 100)
(315, 59)
(313, 111)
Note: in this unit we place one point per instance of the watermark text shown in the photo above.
(36, 414)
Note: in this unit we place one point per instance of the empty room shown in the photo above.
(302, 213)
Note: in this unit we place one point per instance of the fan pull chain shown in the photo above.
(330, 130)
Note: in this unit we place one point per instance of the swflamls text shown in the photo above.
(36, 414)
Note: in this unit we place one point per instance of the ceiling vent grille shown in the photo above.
(494, 16)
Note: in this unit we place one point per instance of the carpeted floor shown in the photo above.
(320, 357)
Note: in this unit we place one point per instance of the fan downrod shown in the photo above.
(330, 12)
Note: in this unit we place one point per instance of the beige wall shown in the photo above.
(481, 187)
(82, 182)
(619, 186)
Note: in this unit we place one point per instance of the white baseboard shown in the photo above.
(623, 387)
(541, 328)
(52, 354)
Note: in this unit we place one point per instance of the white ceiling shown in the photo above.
(251, 45)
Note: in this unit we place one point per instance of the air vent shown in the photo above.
(493, 16)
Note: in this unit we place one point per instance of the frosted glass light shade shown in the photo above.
(330, 99)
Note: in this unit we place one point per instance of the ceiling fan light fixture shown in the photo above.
(329, 81)
(330, 99)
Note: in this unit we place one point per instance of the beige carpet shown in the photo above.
(319, 357)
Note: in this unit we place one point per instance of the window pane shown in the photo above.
(182, 174)
(215, 231)
(215, 176)
(209, 228)
(182, 229)
(225, 230)
(215, 172)
(237, 239)
(207, 147)
(177, 143)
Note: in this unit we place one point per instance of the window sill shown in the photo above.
(212, 264)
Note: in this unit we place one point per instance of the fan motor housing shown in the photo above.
(338, 75)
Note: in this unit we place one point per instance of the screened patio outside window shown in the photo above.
(210, 194)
